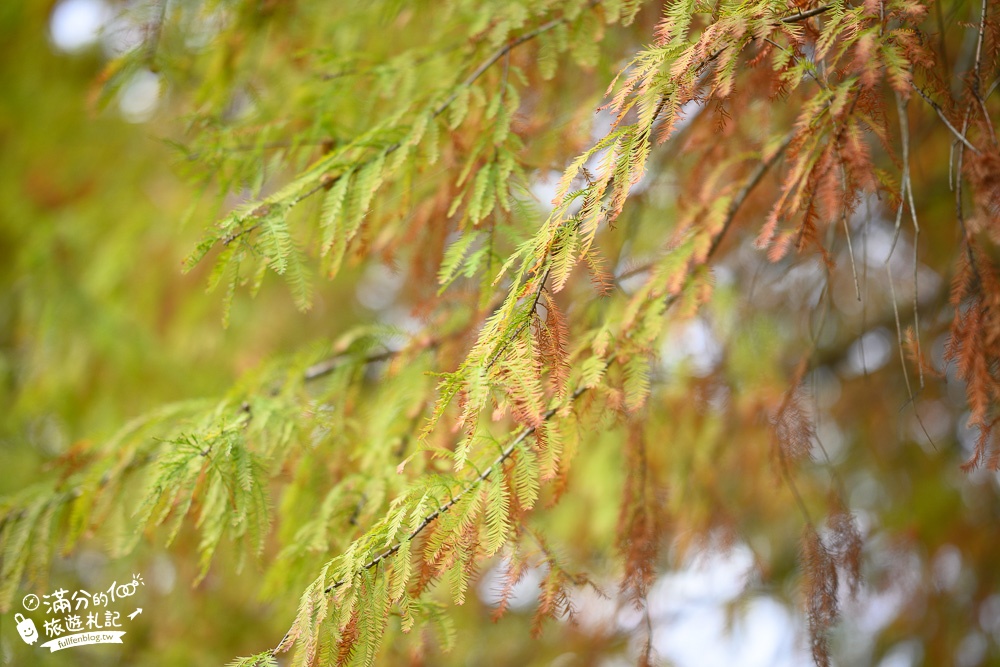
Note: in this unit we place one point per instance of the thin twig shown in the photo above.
(534, 305)
(322, 184)
(992, 88)
(790, 481)
(907, 189)
(940, 112)
(847, 233)
(959, 212)
(904, 139)
(899, 332)
(269, 146)
(976, 70)
(866, 228)
(497, 55)
(906, 196)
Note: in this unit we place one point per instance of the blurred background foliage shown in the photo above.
(105, 194)
(99, 324)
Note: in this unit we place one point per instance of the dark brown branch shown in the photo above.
(748, 187)
(327, 366)
(321, 185)
(802, 16)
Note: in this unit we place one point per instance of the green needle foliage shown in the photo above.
(565, 290)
